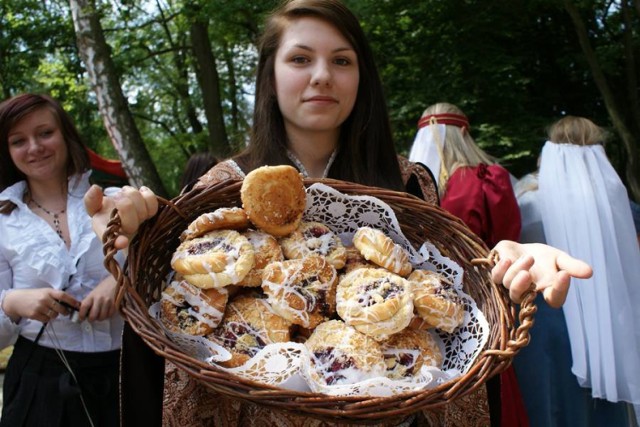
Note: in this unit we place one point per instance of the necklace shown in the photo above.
(55, 215)
(303, 170)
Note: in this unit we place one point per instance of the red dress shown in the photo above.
(483, 198)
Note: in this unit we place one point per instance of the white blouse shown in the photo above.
(32, 255)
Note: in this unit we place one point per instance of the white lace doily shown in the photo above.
(286, 364)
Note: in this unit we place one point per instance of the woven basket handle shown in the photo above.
(527, 311)
(108, 247)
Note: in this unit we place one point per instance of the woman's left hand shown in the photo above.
(100, 303)
(549, 268)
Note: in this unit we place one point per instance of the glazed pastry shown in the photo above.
(249, 324)
(378, 248)
(222, 218)
(355, 260)
(266, 250)
(274, 199)
(191, 310)
(407, 351)
(435, 301)
(301, 290)
(369, 295)
(314, 238)
(375, 301)
(341, 355)
(217, 259)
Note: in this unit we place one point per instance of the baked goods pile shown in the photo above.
(257, 275)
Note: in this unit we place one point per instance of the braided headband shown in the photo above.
(458, 120)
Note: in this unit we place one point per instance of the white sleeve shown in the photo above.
(8, 329)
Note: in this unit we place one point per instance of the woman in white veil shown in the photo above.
(584, 208)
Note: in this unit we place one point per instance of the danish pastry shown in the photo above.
(314, 238)
(221, 218)
(217, 259)
(435, 301)
(190, 310)
(266, 250)
(341, 355)
(370, 295)
(248, 326)
(274, 199)
(378, 248)
(301, 290)
(407, 351)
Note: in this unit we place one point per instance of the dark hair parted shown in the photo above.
(15, 109)
(366, 153)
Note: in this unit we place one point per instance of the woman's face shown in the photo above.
(37, 147)
(316, 76)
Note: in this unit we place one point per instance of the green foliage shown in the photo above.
(514, 67)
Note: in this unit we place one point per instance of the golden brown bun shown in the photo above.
(221, 218)
(190, 310)
(217, 259)
(302, 290)
(435, 301)
(266, 250)
(342, 355)
(378, 248)
(407, 351)
(274, 199)
(249, 324)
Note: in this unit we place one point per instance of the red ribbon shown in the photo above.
(458, 120)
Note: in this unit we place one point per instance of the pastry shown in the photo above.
(378, 248)
(221, 218)
(266, 250)
(435, 301)
(341, 355)
(274, 199)
(314, 238)
(249, 324)
(375, 301)
(191, 310)
(217, 259)
(407, 351)
(355, 260)
(369, 295)
(301, 290)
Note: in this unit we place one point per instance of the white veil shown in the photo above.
(585, 211)
(427, 147)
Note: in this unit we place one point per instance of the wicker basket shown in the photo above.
(149, 263)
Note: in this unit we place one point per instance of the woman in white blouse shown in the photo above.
(55, 293)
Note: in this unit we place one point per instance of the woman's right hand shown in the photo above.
(42, 304)
(134, 206)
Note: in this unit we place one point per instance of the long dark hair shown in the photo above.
(15, 109)
(366, 153)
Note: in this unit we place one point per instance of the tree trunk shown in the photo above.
(615, 111)
(113, 106)
(209, 82)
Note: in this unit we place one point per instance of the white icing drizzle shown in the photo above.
(199, 309)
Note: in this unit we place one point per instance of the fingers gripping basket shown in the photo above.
(149, 263)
